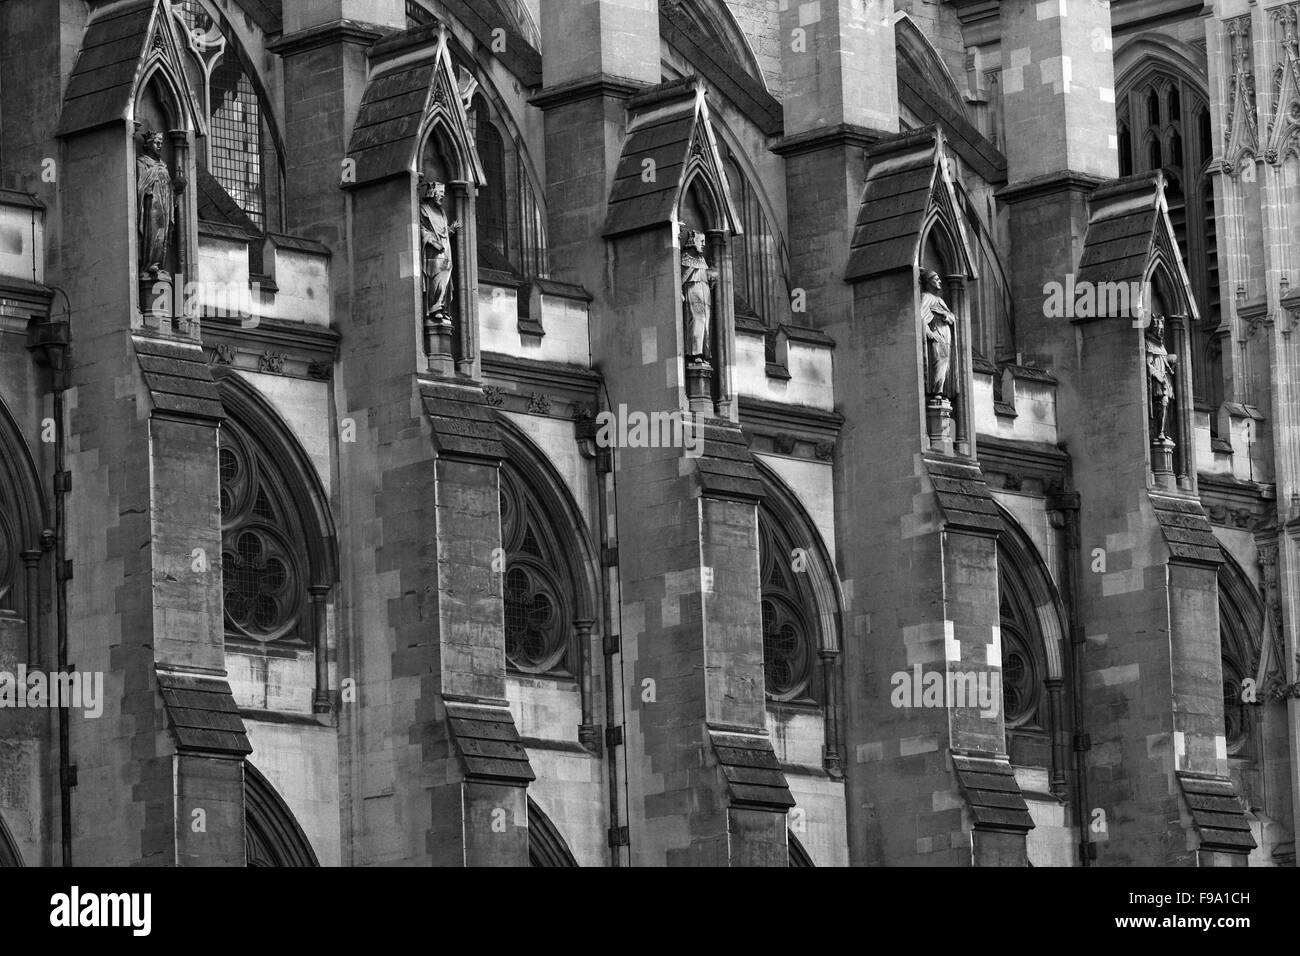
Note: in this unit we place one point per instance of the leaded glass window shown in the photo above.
(537, 599)
(261, 559)
(788, 612)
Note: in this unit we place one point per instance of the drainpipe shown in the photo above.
(49, 340)
(1067, 505)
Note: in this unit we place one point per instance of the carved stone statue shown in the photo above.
(939, 323)
(698, 279)
(156, 190)
(1160, 374)
(435, 250)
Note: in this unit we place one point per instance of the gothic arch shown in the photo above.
(566, 559)
(798, 855)
(1020, 565)
(1241, 633)
(715, 20)
(1151, 53)
(23, 509)
(9, 855)
(302, 485)
(546, 847)
(272, 835)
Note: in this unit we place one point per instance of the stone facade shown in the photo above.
(325, 575)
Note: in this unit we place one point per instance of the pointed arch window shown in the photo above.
(537, 594)
(789, 616)
(262, 560)
(1164, 123)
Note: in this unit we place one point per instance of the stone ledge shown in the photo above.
(992, 794)
(488, 742)
(753, 774)
(1217, 812)
(203, 714)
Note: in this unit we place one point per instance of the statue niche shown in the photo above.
(939, 326)
(437, 265)
(939, 322)
(1162, 370)
(156, 192)
(698, 281)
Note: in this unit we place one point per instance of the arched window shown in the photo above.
(790, 618)
(1034, 697)
(757, 255)
(1164, 123)
(493, 235)
(538, 593)
(261, 547)
(8, 564)
(546, 847)
(240, 151)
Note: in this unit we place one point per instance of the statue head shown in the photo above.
(152, 141)
(432, 190)
(930, 281)
(695, 240)
(1156, 329)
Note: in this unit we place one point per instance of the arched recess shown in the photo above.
(798, 855)
(558, 568)
(302, 484)
(788, 538)
(714, 20)
(1241, 630)
(1162, 109)
(9, 855)
(243, 148)
(546, 847)
(23, 512)
(272, 835)
(1033, 626)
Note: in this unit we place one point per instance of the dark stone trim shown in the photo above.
(179, 380)
(1235, 503)
(338, 31)
(569, 386)
(488, 742)
(841, 135)
(806, 336)
(1186, 530)
(1049, 184)
(963, 497)
(1024, 459)
(587, 88)
(15, 197)
(564, 290)
(302, 347)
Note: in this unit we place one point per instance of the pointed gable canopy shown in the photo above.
(413, 93)
(1129, 235)
(122, 45)
(669, 144)
(908, 185)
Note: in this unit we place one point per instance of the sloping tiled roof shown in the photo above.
(992, 794)
(1186, 529)
(463, 423)
(897, 195)
(113, 49)
(963, 496)
(753, 774)
(178, 378)
(666, 124)
(1217, 812)
(396, 101)
(726, 468)
(488, 742)
(1128, 222)
(202, 714)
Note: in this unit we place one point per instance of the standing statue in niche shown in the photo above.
(698, 279)
(156, 190)
(939, 323)
(1160, 373)
(435, 251)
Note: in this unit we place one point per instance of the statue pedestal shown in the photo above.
(938, 423)
(699, 387)
(1162, 463)
(156, 298)
(437, 343)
